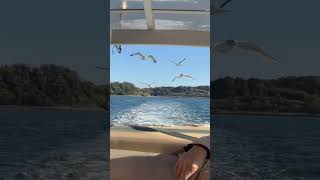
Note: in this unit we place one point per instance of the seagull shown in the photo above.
(149, 57)
(179, 63)
(149, 85)
(229, 45)
(118, 47)
(181, 76)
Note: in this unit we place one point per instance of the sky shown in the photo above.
(73, 33)
(124, 67)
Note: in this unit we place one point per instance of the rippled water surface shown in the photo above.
(266, 147)
(159, 110)
(52, 145)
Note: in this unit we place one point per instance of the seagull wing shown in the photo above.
(178, 76)
(252, 47)
(137, 54)
(188, 76)
(182, 60)
(152, 58)
(113, 49)
(118, 47)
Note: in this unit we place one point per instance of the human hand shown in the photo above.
(189, 163)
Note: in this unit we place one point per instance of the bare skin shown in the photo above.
(189, 163)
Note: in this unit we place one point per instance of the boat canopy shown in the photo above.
(160, 22)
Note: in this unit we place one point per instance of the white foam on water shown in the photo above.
(166, 113)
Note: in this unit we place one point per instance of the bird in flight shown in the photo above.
(149, 85)
(149, 57)
(179, 63)
(118, 48)
(229, 45)
(181, 76)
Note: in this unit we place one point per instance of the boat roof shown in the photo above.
(160, 22)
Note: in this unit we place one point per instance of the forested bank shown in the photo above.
(52, 85)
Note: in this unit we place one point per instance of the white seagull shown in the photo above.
(181, 76)
(179, 63)
(229, 45)
(149, 85)
(149, 57)
(118, 48)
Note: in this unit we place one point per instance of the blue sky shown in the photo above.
(123, 67)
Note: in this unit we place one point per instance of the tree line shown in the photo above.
(285, 95)
(52, 85)
(47, 85)
(126, 88)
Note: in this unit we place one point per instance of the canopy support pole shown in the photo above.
(149, 15)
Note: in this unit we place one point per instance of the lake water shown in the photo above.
(266, 147)
(52, 145)
(159, 110)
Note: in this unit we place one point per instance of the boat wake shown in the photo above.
(166, 113)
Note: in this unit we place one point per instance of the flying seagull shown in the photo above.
(149, 85)
(181, 76)
(229, 45)
(118, 48)
(149, 57)
(179, 63)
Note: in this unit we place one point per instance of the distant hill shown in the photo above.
(285, 95)
(52, 85)
(47, 85)
(126, 88)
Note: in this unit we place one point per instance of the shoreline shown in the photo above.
(165, 96)
(97, 109)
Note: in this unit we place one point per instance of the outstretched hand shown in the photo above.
(189, 163)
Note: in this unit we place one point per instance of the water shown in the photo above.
(71, 145)
(126, 110)
(266, 147)
(52, 145)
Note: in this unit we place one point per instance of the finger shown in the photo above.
(195, 175)
(181, 173)
(186, 173)
(179, 167)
